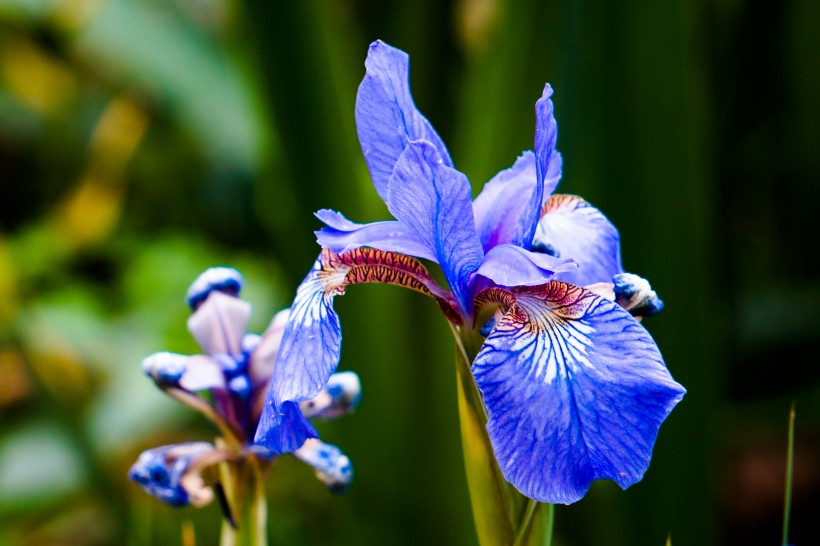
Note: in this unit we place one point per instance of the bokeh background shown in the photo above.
(144, 140)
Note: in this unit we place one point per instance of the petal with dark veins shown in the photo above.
(575, 390)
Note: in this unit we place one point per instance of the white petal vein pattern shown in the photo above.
(575, 391)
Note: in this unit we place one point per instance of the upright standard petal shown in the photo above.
(386, 117)
(546, 134)
(579, 231)
(502, 202)
(342, 235)
(575, 389)
(434, 200)
(219, 324)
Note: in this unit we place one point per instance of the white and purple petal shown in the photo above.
(509, 265)
(308, 353)
(580, 231)
(575, 390)
(434, 201)
(219, 324)
(386, 117)
(190, 373)
(342, 235)
(311, 342)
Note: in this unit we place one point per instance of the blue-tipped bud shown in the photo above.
(331, 466)
(162, 473)
(166, 369)
(231, 366)
(340, 396)
(250, 342)
(222, 279)
(241, 386)
(634, 294)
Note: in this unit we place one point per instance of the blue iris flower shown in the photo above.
(228, 384)
(574, 387)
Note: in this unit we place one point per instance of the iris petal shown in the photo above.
(502, 200)
(308, 354)
(219, 324)
(546, 134)
(342, 235)
(509, 265)
(386, 117)
(581, 232)
(191, 373)
(311, 342)
(434, 200)
(575, 389)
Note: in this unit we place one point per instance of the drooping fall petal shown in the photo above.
(575, 389)
(311, 343)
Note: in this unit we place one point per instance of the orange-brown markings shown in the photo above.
(562, 200)
(368, 265)
(525, 306)
(494, 295)
(568, 301)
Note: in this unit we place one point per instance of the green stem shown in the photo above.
(244, 483)
(524, 526)
(787, 502)
(496, 504)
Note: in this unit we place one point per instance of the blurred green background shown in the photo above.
(144, 140)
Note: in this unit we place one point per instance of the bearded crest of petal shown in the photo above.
(575, 390)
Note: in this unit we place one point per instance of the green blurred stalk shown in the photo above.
(787, 500)
(501, 514)
(244, 483)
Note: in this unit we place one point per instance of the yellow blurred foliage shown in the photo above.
(91, 211)
(40, 80)
(8, 286)
(58, 368)
(16, 383)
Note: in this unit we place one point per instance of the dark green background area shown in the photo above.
(694, 126)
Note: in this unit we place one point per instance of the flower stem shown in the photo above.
(787, 497)
(496, 504)
(244, 481)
